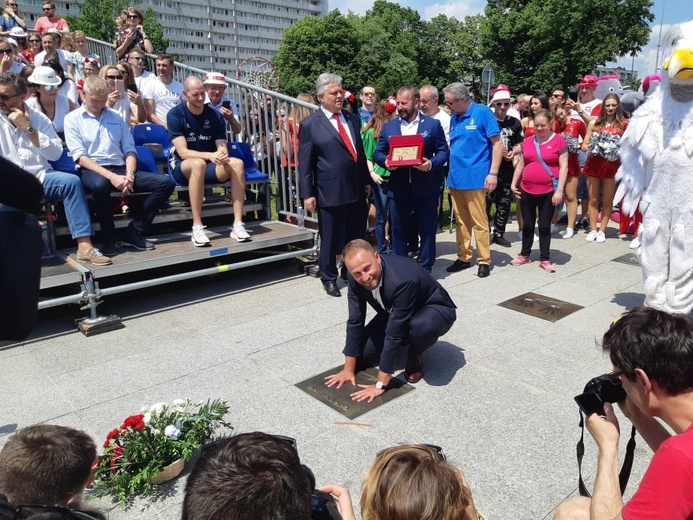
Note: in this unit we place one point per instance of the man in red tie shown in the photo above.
(333, 175)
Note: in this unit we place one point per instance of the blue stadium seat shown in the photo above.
(145, 160)
(65, 163)
(242, 151)
(149, 133)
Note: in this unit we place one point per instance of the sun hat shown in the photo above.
(214, 78)
(18, 32)
(501, 94)
(44, 76)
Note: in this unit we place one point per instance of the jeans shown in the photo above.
(381, 199)
(160, 186)
(66, 187)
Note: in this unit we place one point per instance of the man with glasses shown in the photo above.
(368, 101)
(163, 92)
(142, 75)
(101, 145)
(652, 355)
(215, 85)
(511, 137)
(476, 152)
(557, 98)
(28, 139)
(50, 20)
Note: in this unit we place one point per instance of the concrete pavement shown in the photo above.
(497, 393)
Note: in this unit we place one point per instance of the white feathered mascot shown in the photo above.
(657, 173)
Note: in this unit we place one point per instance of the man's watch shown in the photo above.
(133, 173)
(30, 130)
(380, 385)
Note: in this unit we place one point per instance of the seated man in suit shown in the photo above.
(413, 311)
(414, 188)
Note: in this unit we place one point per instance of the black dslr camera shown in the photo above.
(606, 388)
(323, 506)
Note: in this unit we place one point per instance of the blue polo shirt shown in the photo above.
(471, 148)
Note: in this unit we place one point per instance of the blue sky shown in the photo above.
(675, 11)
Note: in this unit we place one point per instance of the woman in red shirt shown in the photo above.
(572, 130)
(533, 182)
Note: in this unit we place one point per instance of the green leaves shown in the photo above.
(544, 44)
(144, 444)
(389, 47)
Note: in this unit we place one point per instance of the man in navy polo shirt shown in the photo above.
(475, 156)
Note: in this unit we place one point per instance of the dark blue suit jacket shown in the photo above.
(406, 289)
(326, 169)
(405, 181)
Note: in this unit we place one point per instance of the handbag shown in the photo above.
(554, 180)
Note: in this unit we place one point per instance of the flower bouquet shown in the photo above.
(144, 444)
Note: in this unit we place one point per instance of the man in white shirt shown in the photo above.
(28, 139)
(163, 92)
(49, 43)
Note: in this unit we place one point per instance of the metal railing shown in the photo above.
(269, 124)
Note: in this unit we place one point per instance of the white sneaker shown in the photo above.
(591, 236)
(199, 237)
(554, 228)
(239, 233)
(568, 233)
(635, 243)
(601, 237)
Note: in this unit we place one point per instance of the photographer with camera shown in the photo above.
(652, 355)
(257, 476)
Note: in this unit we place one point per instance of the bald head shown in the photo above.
(194, 91)
(192, 82)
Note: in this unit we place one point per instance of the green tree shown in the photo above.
(97, 20)
(541, 44)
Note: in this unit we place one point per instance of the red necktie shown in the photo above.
(345, 137)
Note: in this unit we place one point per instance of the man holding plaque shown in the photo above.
(333, 175)
(476, 152)
(414, 149)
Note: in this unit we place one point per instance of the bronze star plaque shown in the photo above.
(544, 307)
(340, 400)
(628, 259)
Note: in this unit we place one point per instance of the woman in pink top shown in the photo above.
(533, 183)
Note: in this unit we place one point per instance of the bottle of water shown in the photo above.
(301, 218)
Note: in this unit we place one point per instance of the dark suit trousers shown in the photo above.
(425, 222)
(338, 225)
(425, 327)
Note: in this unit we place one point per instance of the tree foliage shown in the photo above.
(97, 20)
(538, 45)
(389, 47)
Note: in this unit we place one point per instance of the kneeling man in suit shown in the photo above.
(413, 311)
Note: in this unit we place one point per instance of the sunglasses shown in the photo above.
(133, 16)
(34, 41)
(5, 97)
(6, 51)
(13, 5)
(433, 447)
(45, 9)
(369, 94)
(502, 104)
(110, 76)
(137, 58)
(48, 88)
(29, 510)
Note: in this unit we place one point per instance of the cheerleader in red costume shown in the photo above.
(603, 142)
(572, 130)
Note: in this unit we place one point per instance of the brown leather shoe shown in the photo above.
(414, 369)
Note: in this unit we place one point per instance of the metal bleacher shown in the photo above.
(269, 217)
